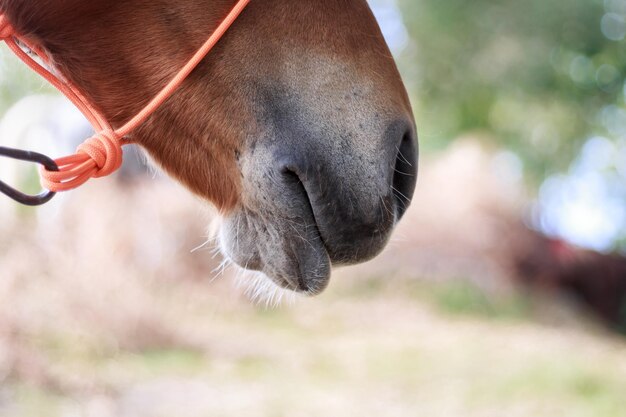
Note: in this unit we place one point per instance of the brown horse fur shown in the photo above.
(309, 70)
(121, 53)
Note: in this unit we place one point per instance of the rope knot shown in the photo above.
(105, 149)
(99, 156)
(6, 29)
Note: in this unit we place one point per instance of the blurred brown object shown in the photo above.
(596, 280)
(468, 223)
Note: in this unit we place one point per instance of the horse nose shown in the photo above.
(356, 192)
(404, 173)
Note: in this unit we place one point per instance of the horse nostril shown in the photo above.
(294, 181)
(291, 177)
(405, 174)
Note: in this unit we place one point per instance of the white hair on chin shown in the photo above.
(261, 290)
(257, 287)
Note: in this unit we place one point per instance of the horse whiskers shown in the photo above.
(387, 209)
(256, 286)
(402, 173)
(215, 252)
(397, 192)
(403, 158)
(205, 245)
(221, 268)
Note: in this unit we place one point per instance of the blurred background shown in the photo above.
(503, 292)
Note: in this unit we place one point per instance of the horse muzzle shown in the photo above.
(311, 202)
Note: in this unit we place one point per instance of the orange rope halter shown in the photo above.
(101, 155)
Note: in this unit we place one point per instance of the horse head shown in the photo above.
(297, 126)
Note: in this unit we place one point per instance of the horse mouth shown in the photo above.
(298, 221)
(295, 243)
(286, 247)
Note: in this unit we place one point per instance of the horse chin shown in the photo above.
(286, 252)
(261, 289)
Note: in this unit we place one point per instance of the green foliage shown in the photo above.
(537, 76)
(17, 81)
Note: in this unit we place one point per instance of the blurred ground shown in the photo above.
(105, 311)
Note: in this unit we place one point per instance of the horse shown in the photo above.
(297, 127)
